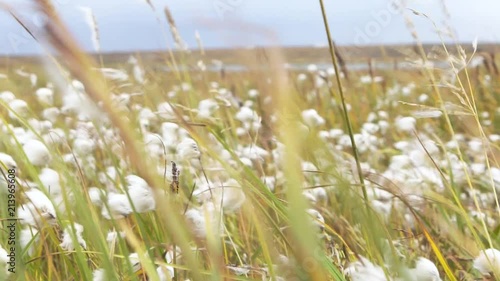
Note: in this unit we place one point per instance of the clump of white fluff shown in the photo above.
(67, 238)
(45, 96)
(37, 210)
(188, 149)
(96, 196)
(99, 275)
(140, 199)
(6, 163)
(317, 219)
(425, 270)
(165, 111)
(113, 236)
(231, 195)
(363, 270)
(312, 118)
(4, 259)
(206, 108)
(117, 206)
(7, 96)
(488, 261)
(83, 146)
(29, 238)
(37, 153)
(50, 180)
(166, 273)
(405, 124)
(250, 119)
(140, 193)
(205, 220)
(75, 100)
(18, 108)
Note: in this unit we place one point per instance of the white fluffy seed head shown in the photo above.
(312, 118)
(37, 210)
(425, 270)
(99, 275)
(7, 162)
(29, 238)
(3, 256)
(45, 96)
(165, 111)
(231, 195)
(363, 270)
(18, 108)
(83, 146)
(67, 243)
(51, 114)
(406, 124)
(113, 236)
(118, 206)
(37, 153)
(488, 261)
(188, 149)
(96, 196)
(205, 221)
(7, 96)
(142, 199)
(50, 180)
(317, 219)
(206, 108)
(247, 115)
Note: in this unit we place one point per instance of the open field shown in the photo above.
(304, 54)
(236, 165)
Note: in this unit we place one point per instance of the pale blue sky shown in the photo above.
(131, 24)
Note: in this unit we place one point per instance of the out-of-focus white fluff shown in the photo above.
(317, 219)
(113, 236)
(114, 74)
(206, 108)
(117, 207)
(7, 96)
(247, 115)
(50, 180)
(29, 237)
(67, 243)
(37, 153)
(6, 163)
(166, 111)
(18, 108)
(205, 220)
(37, 210)
(51, 114)
(96, 196)
(425, 270)
(488, 261)
(3, 260)
(188, 149)
(83, 146)
(45, 96)
(141, 194)
(405, 124)
(231, 195)
(365, 270)
(312, 118)
(75, 100)
(99, 275)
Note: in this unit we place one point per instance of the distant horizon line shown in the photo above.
(229, 48)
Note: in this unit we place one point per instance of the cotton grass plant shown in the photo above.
(125, 173)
